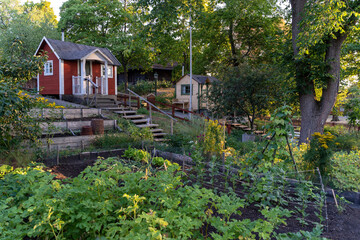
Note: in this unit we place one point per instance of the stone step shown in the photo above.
(126, 112)
(137, 121)
(105, 100)
(160, 134)
(105, 105)
(156, 130)
(133, 116)
(111, 109)
(147, 125)
(160, 140)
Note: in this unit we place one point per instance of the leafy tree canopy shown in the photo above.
(245, 91)
(27, 23)
(114, 24)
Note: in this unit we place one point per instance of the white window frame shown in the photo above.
(47, 67)
(110, 71)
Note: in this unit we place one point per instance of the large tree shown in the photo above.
(319, 29)
(27, 23)
(108, 23)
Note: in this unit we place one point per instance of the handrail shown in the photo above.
(152, 105)
(94, 84)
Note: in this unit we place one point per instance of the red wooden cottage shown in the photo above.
(74, 70)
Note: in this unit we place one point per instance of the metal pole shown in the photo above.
(191, 89)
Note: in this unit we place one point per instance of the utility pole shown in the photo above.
(191, 89)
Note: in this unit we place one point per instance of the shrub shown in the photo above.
(345, 170)
(320, 152)
(214, 139)
(143, 111)
(137, 155)
(347, 142)
(115, 140)
(163, 99)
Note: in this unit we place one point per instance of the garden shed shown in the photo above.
(76, 69)
(201, 85)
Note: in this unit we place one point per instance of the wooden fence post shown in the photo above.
(172, 127)
(150, 114)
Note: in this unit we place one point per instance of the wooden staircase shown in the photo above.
(104, 102)
(142, 121)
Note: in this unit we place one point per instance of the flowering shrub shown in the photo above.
(320, 152)
(214, 138)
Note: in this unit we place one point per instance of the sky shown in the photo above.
(55, 4)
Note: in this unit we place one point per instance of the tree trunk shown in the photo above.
(234, 59)
(314, 113)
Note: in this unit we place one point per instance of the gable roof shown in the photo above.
(73, 51)
(202, 79)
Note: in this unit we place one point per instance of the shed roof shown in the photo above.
(74, 51)
(202, 79)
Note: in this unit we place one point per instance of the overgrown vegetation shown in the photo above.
(144, 87)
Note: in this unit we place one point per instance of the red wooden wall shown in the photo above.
(50, 84)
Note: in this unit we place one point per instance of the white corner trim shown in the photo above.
(52, 49)
(61, 77)
(116, 91)
(100, 52)
(38, 84)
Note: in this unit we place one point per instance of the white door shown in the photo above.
(104, 81)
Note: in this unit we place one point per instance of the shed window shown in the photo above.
(110, 71)
(48, 68)
(185, 89)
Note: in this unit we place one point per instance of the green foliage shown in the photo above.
(27, 24)
(235, 141)
(113, 24)
(142, 111)
(94, 205)
(320, 152)
(158, 161)
(177, 143)
(16, 125)
(137, 134)
(213, 142)
(137, 155)
(345, 170)
(144, 87)
(163, 99)
(115, 140)
(244, 90)
(352, 106)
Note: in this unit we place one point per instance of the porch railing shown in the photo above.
(91, 88)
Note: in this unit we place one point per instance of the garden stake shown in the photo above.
(268, 143)
(332, 190)
(292, 157)
(323, 189)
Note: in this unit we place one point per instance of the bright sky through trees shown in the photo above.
(55, 4)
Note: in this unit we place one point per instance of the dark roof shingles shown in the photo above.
(74, 51)
(202, 78)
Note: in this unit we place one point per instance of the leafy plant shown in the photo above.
(137, 155)
(158, 161)
(320, 152)
(345, 170)
(352, 106)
